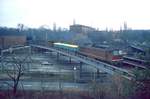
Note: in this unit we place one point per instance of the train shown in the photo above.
(106, 55)
(65, 46)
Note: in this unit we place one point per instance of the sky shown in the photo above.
(100, 14)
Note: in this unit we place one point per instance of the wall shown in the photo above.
(8, 41)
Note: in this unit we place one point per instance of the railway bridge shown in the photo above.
(110, 69)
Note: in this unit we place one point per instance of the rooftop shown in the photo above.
(68, 45)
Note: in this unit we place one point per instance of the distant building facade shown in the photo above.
(81, 28)
(7, 41)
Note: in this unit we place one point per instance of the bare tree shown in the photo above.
(17, 73)
(18, 64)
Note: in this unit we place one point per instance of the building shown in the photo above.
(10, 39)
(81, 28)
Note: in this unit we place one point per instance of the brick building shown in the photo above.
(81, 28)
(10, 39)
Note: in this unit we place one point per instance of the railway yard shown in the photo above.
(65, 67)
(45, 67)
(46, 61)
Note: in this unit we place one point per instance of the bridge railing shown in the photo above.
(105, 65)
(115, 69)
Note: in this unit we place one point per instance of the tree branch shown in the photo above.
(13, 78)
(8, 84)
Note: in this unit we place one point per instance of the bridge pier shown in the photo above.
(58, 56)
(70, 60)
(30, 51)
(97, 73)
(51, 53)
(80, 69)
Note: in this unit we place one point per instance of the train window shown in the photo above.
(121, 52)
(115, 52)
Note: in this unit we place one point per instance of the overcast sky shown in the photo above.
(97, 13)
